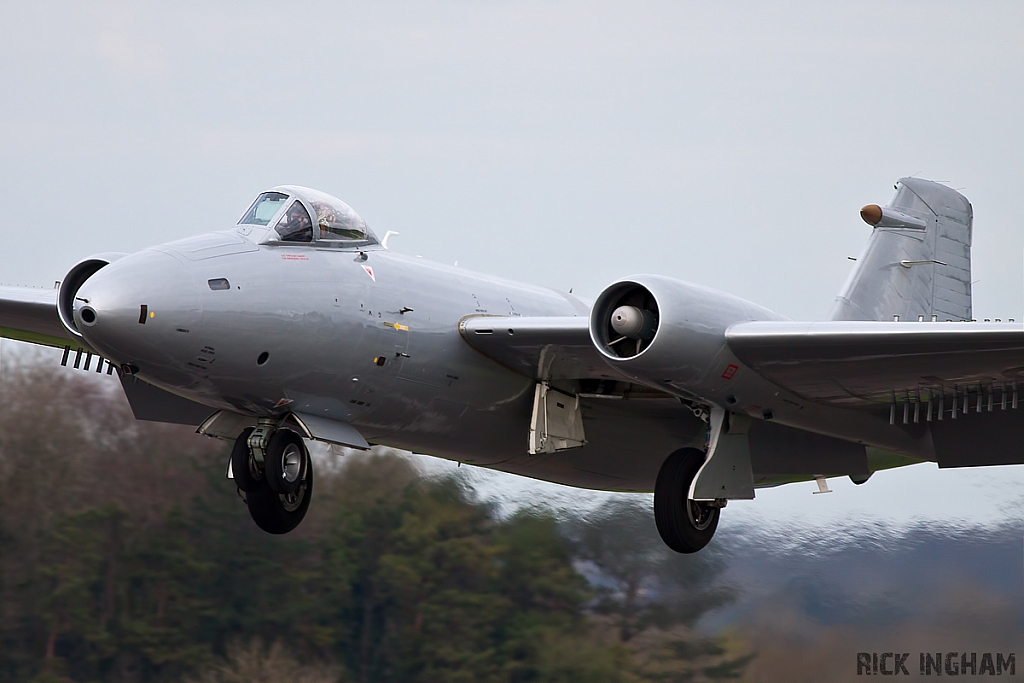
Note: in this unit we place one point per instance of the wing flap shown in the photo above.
(865, 363)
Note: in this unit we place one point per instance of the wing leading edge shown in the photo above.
(542, 348)
(30, 315)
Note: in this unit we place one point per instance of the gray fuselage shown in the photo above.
(366, 336)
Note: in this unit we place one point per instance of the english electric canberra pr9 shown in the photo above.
(299, 324)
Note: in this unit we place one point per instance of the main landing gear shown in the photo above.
(273, 469)
(685, 525)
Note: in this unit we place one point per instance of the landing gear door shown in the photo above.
(726, 473)
(557, 422)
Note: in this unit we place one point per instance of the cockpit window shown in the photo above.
(295, 225)
(264, 208)
(336, 219)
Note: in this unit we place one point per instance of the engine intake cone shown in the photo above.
(633, 322)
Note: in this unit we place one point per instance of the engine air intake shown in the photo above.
(624, 320)
(67, 300)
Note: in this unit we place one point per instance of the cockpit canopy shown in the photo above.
(288, 213)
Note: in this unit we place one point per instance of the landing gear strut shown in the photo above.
(274, 471)
(685, 525)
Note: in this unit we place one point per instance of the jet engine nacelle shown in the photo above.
(73, 281)
(667, 333)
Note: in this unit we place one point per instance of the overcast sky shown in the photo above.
(559, 143)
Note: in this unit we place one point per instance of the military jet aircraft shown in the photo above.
(299, 324)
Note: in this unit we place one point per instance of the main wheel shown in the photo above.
(278, 513)
(685, 525)
(286, 462)
(248, 476)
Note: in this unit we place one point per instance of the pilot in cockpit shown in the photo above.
(295, 225)
(338, 225)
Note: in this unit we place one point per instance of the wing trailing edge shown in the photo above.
(851, 363)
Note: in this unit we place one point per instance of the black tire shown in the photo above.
(686, 526)
(286, 462)
(247, 476)
(276, 513)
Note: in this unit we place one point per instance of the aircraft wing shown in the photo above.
(29, 314)
(542, 348)
(840, 363)
(870, 363)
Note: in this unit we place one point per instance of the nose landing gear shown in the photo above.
(273, 469)
(286, 462)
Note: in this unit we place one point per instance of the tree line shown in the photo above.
(126, 555)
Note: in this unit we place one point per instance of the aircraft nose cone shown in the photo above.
(139, 311)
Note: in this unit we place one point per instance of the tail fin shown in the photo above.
(917, 261)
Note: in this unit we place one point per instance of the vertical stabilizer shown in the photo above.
(917, 261)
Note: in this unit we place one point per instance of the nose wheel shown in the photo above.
(277, 487)
(685, 525)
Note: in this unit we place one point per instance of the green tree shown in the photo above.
(445, 591)
(648, 599)
(125, 556)
(258, 663)
(77, 590)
